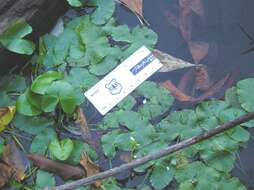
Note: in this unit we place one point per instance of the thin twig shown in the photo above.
(157, 155)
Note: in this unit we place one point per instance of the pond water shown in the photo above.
(220, 25)
(221, 29)
(218, 30)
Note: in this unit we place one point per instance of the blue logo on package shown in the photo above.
(142, 64)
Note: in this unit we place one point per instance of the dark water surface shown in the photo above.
(221, 28)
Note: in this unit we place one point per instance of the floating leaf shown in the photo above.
(161, 176)
(12, 38)
(108, 147)
(42, 82)
(96, 42)
(45, 179)
(105, 10)
(231, 97)
(121, 33)
(169, 62)
(127, 103)
(32, 125)
(6, 116)
(223, 162)
(244, 91)
(79, 149)
(24, 107)
(75, 3)
(41, 142)
(61, 150)
(60, 92)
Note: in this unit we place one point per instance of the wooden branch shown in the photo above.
(157, 155)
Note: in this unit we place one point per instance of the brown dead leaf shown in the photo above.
(134, 5)
(202, 81)
(178, 94)
(13, 157)
(199, 50)
(186, 80)
(169, 62)
(171, 18)
(65, 171)
(82, 123)
(194, 5)
(5, 174)
(90, 167)
(185, 24)
(216, 88)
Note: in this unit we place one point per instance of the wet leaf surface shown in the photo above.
(65, 171)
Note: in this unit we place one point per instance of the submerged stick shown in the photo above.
(157, 155)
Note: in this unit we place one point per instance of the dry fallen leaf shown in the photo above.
(65, 171)
(202, 81)
(5, 174)
(199, 50)
(186, 81)
(213, 90)
(90, 167)
(82, 123)
(178, 94)
(194, 5)
(6, 116)
(134, 5)
(13, 157)
(171, 18)
(170, 63)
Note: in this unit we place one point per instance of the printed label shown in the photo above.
(125, 78)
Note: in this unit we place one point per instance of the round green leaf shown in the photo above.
(161, 176)
(61, 150)
(42, 82)
(245, 89)
(24, 107)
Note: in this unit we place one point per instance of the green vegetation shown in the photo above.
(70, 63)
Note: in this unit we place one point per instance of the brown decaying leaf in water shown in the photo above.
(5, 174)
(82, 123)
(181, 96)
(178, 94)
(13, 157)
(193, 5)
(199, 50)
(214, 89)
(134, 5)
(170, 63)
(90, 167)
(172, 19)
(202, 80)
(186, 80)
(65, 171)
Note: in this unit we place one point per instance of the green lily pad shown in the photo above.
(245, 88)
(12, 39)
(61, 150)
